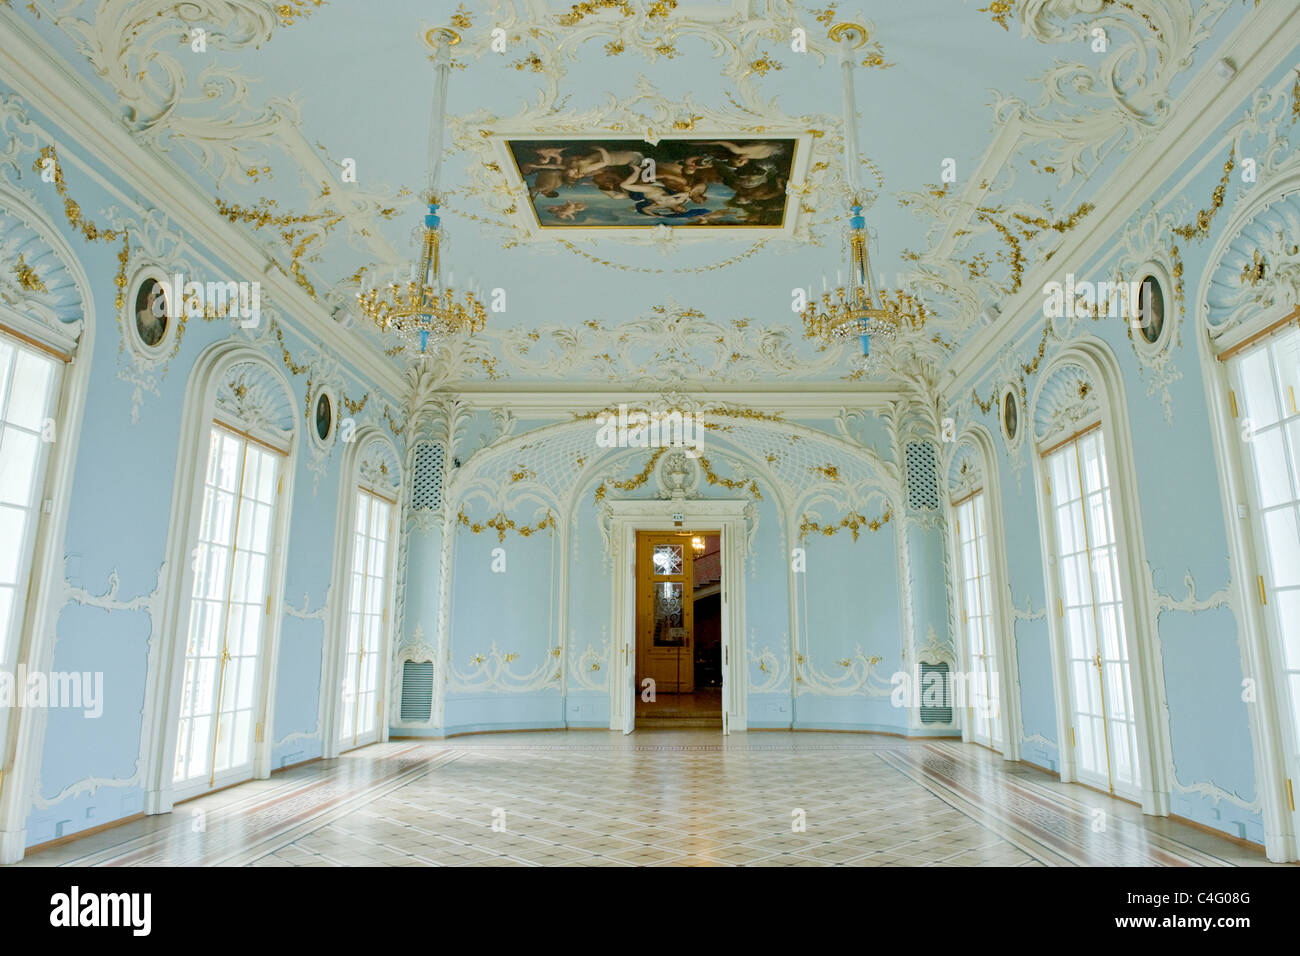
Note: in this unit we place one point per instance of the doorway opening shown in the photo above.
(679, 629)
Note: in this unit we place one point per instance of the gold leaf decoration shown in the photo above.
(500, 523)
(87, 228)
(27, 277)
(853, 521)
(293, 10)
(998, 11)
(1200, 227)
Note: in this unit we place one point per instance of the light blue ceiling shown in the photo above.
(356, 79)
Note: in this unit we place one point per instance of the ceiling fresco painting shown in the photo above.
(627, 183)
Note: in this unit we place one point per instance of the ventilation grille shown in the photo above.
(426, 484)
(417, 691)
(936, 694)
(922, 480)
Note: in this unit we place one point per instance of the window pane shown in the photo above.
(1288, 615)
(13, 522)
(1272, 471)
(1259, 398)
(1283, 545)
(19, 454)
(29, 393)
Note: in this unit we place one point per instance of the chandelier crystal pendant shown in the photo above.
(858, 311)
(425, 308)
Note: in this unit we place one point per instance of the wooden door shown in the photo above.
(665, 612)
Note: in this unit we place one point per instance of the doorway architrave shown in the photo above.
(627, 517)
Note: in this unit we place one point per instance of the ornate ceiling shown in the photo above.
(271, 106)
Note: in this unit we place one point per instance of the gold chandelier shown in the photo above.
(858, 311)
(425, 308)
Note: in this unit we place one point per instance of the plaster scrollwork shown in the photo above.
(965, 471)
(859, 676)
(936, 651)
(1189, 603)
(1260, 270)
(1263, 134)
(589, 668)
(493, 672)
(111, 600)
(1122, 100)
(774, 667)
(168, 104)
(1027, 613)
(378, 466)
(18, 136)
(253, 394)
(35, 282)
(1214, 793)
(1038, 739)
(1147, 250)
(668, 346)
(305, 613)
(736, 34)
(1065, 401)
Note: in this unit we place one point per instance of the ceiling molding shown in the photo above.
(35, 72)
(794, 400)
(1206, 103)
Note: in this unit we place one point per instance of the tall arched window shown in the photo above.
(230, 608)
(229, 526)
(1263, 374)
(1249, 347)
(1096, 609)
(1090, 607)
(29, 386)
(367, 546)
(46, 321)
(987, 658)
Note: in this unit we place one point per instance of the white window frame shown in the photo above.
(23, 743)
(167, 666)
(984, 725)
(334, 667)
(1094, 603)
(1274, 739)
(1003, 618)
(379, 653)
(226, 675)
(16, 632)
(1145, 673)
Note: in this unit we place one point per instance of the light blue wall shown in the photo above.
(515, 610)
(1181, 515)
(497, 614)
(91, 771)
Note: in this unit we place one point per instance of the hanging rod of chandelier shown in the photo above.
(426, 308)
(858, 310)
